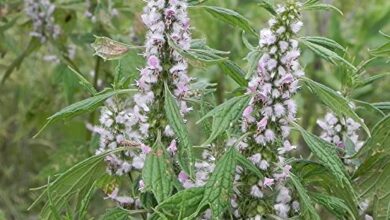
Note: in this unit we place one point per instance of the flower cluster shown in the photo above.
(41, 14)
(113, 131)
(139, 123)
(268, 114)
(340, 131)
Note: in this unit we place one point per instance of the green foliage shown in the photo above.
(225, 115)
(230, 17)
(186, 159)
(157, 172)
(337, 103)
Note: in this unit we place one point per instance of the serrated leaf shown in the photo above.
(337, 103)
(230, 17)
(321, 6)
(333, 204)
(157, 173)
(75, 180)
(186, 159)
(327, 54)
(234, 71)
(181, 205)
(219, 187)
(225, 115)
(253, 58)
(327, 154)
(307, 206)
(81, 107)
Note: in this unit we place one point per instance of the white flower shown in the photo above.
(296, 26)
(256, 192)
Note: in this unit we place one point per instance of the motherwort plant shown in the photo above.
(267, 118)
(138, 123)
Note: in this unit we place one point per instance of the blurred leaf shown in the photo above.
(84, 82)
(382, 105)
(248, 165)
(81, 107)
(186, 159)
(73, 181)
(333, 204)
(234, 71)
(321, 6)
(230, 17)
(323, 41)
(116, 213)
(337, 103)
(180, 205)
(157, 172)
(325, 53)
(225, 115)
(33, 45)
(307, 206)
(268, 6)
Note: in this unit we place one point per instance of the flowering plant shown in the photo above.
(256, 159)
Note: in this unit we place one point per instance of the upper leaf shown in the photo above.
(337, 103)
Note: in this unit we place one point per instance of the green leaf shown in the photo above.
(230, 17)
(33, 45)
(382, 105)
(326, 54)
(323, 41)
(219, 187)
(307, 206)
(225, 115)
(371, 79)
(243, 161)
(182, 204)
(253, 58)
(378, 142)
(158, 172)
(321, 6)
(268, 6)
(205, 54)
(382, 51)
(337, 103)
(186, 159)
(116, 213)
(333, 204)
(327, 154)
(84, 82)
(72, 182)
(81, 107)
(234, 71)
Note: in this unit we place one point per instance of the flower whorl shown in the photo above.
(41, 14)
(271, 108)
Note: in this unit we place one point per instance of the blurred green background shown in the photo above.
(37, 88)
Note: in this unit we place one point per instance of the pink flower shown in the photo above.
(154, 62)
(146, 149)
(172, 147)
(262, 124)
(183, 177)
(268, 181)
(247, 114)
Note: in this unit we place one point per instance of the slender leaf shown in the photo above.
(234, 71)
(337, 103)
